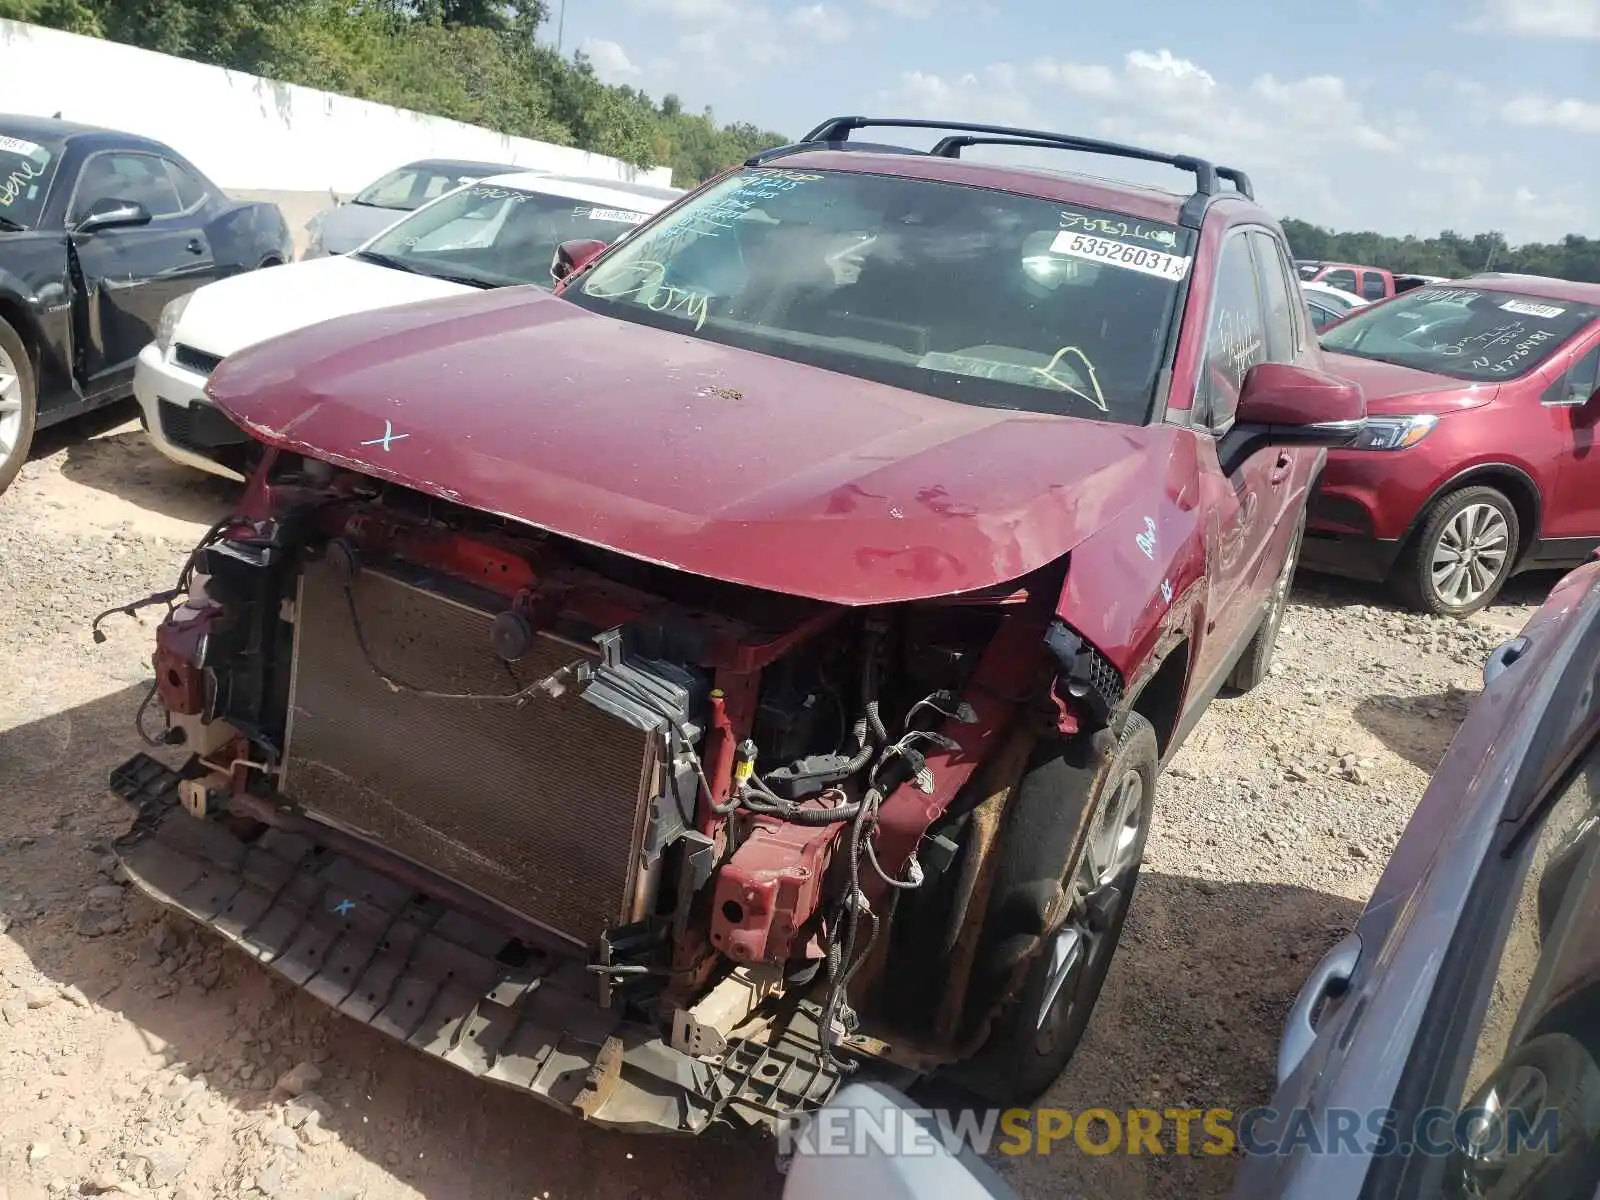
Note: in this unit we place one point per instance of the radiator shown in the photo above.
(539, 808)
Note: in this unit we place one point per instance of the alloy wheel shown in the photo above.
(10, 406)
(1469, 554)
(1099, 886)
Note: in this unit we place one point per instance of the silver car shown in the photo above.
(343, 227)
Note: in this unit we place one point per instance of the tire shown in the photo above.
(1256, 660)
(1553, 1075)
(1060, 802)
(17, 388)
(1469, 509)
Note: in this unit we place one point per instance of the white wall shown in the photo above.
(250, 133)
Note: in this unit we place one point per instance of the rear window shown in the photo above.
(1466, 333)
(25, 170)
(969, 294)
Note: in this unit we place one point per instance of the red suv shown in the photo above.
(758, 658)
(1479, 458)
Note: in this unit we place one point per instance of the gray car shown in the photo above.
(343, 227)
(1449, 1047)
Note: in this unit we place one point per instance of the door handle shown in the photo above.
(1328, 978)
(1503, 656)
(195, 246)
(1281, 468)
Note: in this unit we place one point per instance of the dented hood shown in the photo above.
(680, 451)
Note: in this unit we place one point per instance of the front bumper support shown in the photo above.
(438, 979)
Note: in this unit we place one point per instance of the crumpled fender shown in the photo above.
(245, 233)
(1138, 584)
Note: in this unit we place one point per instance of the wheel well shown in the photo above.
(14, 314)
(1160, 701)
(1518, 489)
(272, 260)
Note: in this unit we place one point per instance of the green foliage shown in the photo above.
(1574, 257)
(469, 60)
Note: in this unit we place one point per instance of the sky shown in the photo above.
(1403, 116)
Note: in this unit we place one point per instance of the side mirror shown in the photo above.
(1286, 405)
(114, 214)
(572, 257)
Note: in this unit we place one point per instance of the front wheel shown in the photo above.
(1462, 555)
(1066, 867)
(18, 411)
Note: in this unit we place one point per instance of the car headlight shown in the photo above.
(169, 321)
(1394, 433)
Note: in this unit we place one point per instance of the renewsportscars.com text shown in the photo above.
(1170, 1131)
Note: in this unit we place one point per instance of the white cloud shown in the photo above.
(729, 34)
(823, 22)
(916, 9)
(692, 10)
(1314, 147)
(1575, 116)
(611, 61)
(1538, 18)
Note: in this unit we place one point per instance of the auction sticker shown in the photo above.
(1527, 309)
(18, 146)
(1121, 254)
(616, 214)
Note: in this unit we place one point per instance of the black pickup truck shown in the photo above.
(99, 231)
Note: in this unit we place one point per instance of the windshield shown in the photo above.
(409, 188)
(497, 236)
(973, 295)
(25, 170)
(1465, 333)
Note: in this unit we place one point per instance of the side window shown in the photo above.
(1581, 379)
(1282, 321)
(1372, 285)
(111, 177)
(1537, 1014)
(1321, 317)
(191, 192)
(1236, 334)
(1343, 279)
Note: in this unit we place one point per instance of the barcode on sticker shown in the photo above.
(617, 214)
(1526, 308)
(1121, 254)
(18, 146)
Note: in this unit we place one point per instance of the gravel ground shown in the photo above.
(139, 1057)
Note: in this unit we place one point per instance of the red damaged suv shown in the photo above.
(756, 660)
(1479, 457)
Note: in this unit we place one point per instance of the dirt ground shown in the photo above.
(137, 1057)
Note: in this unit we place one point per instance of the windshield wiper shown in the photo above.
(13, 226)
(463, 280)
(387, 260)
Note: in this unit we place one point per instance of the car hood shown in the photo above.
(348, 226)
(241, 310)
(683, 452)
(1396, 391)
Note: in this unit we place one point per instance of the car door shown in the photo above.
(1473, 966)
(1574, 415)
(126, 276)
(1373, 285)
(1252, 320)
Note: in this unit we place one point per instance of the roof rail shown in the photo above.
(766, 156)
(834, 134)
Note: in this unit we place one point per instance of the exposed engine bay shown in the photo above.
(485, 769)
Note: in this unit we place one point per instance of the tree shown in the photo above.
(1448, 253)
(469, 60)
